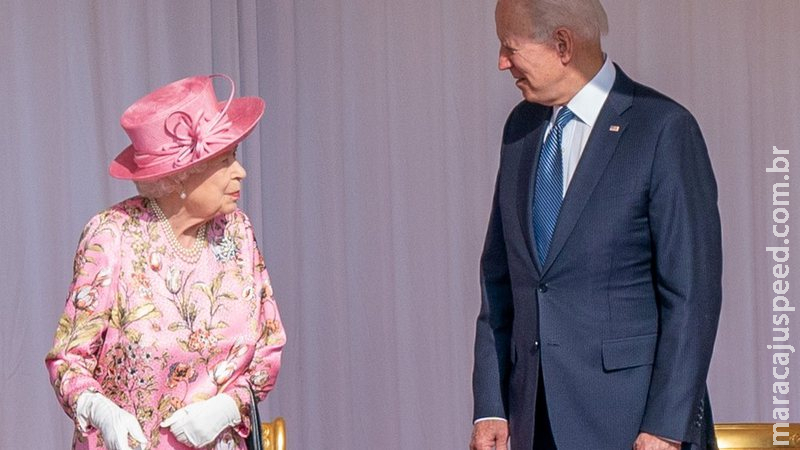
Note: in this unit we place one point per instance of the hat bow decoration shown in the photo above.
(194, 137)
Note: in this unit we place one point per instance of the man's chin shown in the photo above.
(527, 92)
(529, 96)
(532, 97)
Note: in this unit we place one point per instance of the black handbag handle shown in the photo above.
(254, 441)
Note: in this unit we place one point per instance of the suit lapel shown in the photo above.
(598, 151)
(530, 146)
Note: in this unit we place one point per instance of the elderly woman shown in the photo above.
(170, 321)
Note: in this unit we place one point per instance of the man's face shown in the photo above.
(536, 66)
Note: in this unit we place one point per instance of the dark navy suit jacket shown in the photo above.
(623, 314)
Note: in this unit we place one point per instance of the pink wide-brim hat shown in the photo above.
(182, 124)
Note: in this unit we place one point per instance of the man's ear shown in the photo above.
(565, 44)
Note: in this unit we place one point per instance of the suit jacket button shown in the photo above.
(543, 287)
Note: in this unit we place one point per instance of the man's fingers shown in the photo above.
(481, 446)
(646, 441)
(489, 435)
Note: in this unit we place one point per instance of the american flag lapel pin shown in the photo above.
(614, 128)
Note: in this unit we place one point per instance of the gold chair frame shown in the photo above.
(273, 434)
(754, 436)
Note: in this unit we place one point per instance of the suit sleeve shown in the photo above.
(493, 329)
(687, 252)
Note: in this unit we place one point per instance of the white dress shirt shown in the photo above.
(586, 105)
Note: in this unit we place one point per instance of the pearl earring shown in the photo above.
(183, 195)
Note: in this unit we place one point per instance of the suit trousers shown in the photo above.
(542, 433)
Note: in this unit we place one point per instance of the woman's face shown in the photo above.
(216, 189)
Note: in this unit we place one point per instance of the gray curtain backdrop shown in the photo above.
(370, 182)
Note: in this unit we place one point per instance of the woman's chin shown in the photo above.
(229, 207)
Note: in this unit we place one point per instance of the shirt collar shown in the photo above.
(586, 104)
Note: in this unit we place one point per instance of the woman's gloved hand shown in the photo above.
(200, 423)
(114, 423)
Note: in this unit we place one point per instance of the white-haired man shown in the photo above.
(601, 270)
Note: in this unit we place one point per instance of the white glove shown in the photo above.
(200, 423)
(114, 423)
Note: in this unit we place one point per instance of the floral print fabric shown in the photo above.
(154, 334)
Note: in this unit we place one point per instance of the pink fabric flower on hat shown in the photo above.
(194, 137)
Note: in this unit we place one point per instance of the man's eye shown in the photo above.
(510, 50)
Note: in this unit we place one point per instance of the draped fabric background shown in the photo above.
(370, 182)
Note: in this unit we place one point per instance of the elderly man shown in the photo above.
(601, 271)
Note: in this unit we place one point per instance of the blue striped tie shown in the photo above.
(549, 185)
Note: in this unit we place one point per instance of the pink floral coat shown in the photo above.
(154, 333)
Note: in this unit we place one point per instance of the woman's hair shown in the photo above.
(586, 18)
(168, 184)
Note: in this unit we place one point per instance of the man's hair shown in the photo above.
(586, 18)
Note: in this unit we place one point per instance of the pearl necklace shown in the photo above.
(189, 255)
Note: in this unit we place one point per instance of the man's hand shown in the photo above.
(646, 441)
(489, 435)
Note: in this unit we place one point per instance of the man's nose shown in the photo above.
(504, 58)
(503, 62)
